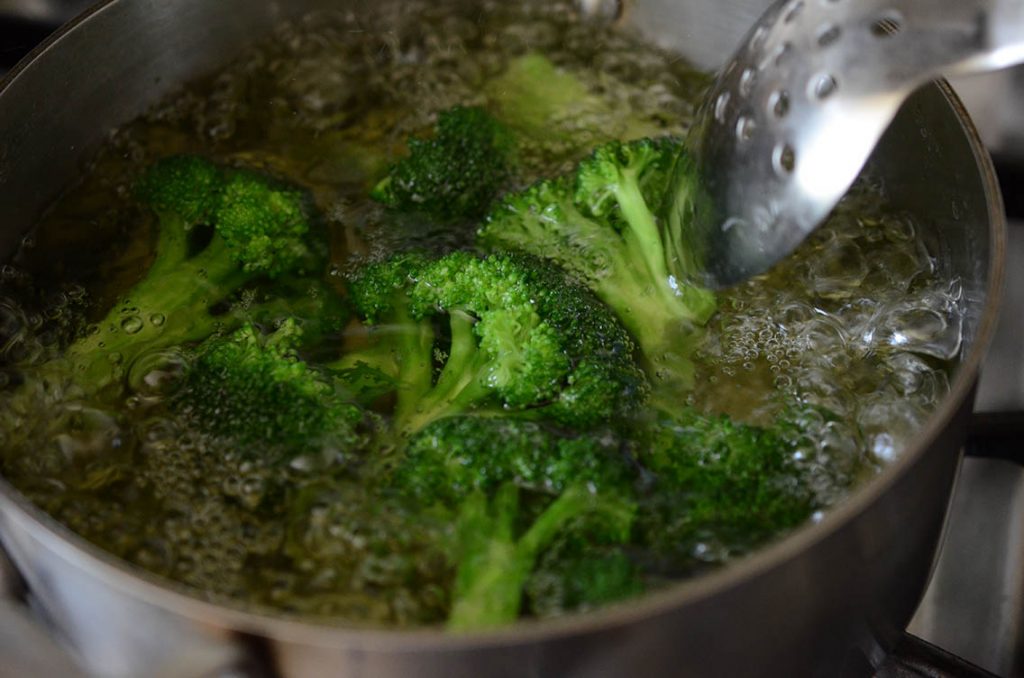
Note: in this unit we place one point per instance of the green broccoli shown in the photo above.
(551, 105)
(254, 388)
(605, 224)
(507, 334)
(259, 230)
(723, 487)
(493, 563)
(264, 225)
(577, 572)
(453, 457)
(454, 174)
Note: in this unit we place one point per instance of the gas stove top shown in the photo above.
(971, 619)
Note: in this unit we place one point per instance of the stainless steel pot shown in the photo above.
(828, 599)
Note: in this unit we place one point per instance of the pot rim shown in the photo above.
(168, 595)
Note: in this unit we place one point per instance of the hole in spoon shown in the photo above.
(778, 56)
(783, 160)
(828, 35)
(747, 80)
(745, 128)
(757, 39)
(793, 11)
(778, 103)
(782, 53)
(887, 24)
(823, 86)
(721, 106)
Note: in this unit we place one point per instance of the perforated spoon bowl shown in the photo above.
(793, 117)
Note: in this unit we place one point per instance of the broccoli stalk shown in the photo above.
(605, 224)
(493, 564)
(259, 230)
(510, 335)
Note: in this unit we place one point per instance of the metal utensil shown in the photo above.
(794, 116)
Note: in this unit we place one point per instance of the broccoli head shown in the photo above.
(453, 457)
(253, 388)
(577, 573)
(217, 231)
(722, 487)
(183, 187)
(265, 226)
(454, 174)
(606, 225)
(498, 334)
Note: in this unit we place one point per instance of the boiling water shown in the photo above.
(858, 321)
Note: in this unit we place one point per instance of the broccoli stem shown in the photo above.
(492, 566)
(168, 307)
(642, 237)
(415, 363)
(661, 321)
(458, 386)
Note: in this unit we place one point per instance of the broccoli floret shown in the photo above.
(265, 225)
(454, 174)
(254, 389)
(494, 563)
(506, 335)
(548, 104)
(258, 230)
(723, 487)
(605, 225)
(182, 187)
(573, 575)
(453, 457)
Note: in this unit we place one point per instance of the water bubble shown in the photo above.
(157, 319)
(132, 324)
(937, 333)
(883, 446)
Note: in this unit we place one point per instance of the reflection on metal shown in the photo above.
(974, 606)
(603, 10)
(27, 647)
(51, 12)
(773, 173)
(1001, 388)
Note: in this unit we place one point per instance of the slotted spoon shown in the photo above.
(793, 117)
